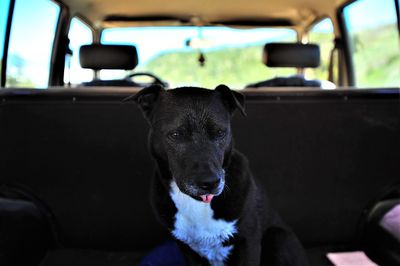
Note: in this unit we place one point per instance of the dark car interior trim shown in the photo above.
(269, 93)
(60, 47)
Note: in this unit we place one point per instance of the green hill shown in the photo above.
(234, 66)
(377, 57)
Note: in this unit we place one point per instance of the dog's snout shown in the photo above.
(209, 184)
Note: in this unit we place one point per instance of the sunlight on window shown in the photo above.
(232, 56)
(374, 43)
(79, 34)
(323, 35)
(4, 6)
(31, 42)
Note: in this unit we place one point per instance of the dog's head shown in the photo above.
(190, 135)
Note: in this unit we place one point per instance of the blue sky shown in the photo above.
(3, 20)
(371, 13)
(32, 35)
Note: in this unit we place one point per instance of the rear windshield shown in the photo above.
(175, 54)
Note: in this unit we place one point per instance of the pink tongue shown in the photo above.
(207, 198)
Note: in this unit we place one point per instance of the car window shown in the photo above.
(4, 7)
(31, 41)
(232, 56)
(374, 42)
(322, 34)
(79, 34)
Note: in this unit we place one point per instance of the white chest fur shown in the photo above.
(195, 226)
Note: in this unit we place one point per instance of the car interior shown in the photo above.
(322, 131)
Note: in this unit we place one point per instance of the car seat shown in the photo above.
(295, 55)
(100, 56)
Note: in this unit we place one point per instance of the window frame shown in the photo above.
(344, 33)
(397, 4)
(92, 30)
(315, 22)
(60, 45)
(6, 43)
(309, 29)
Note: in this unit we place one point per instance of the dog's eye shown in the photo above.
(174, 135)
(220, 134)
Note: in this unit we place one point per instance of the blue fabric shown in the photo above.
(167, 254)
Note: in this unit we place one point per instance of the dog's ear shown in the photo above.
(146, 98)
(234, 100)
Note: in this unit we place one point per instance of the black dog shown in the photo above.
(203, 191)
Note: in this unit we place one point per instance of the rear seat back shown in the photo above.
(323, 160)
(322, 157)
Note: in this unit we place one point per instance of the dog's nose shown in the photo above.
(209, 184)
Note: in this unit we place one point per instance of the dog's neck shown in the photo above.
(195, 225)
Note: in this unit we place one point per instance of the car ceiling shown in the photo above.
(116, 13)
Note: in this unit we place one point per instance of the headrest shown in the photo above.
(291, 55)
(100, 56)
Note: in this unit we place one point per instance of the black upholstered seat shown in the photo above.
(322, 158)
(295, 55)
(100, 56)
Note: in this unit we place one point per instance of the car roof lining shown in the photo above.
(251, 13)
